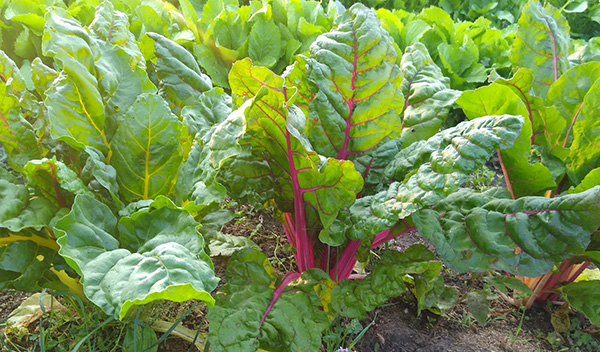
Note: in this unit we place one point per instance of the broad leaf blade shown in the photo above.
(245, 316)
(542, 44)
(585, 297)
(428, 95)
(180, 80)
(427, 171)
(524, 178)
(147, 149)
(116, 279)
(525, 237)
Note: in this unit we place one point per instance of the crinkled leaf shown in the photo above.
(246, 315)
(282, 155)
(112, 27)
(13, 79)
(180, 80)
(119, 83)
(585, 297)
(147, 149)
(542, 44)
(116, 279)
(42, 76)
(524, 178)
(64, 38)
(212, 108)
(486, 231)
(590, 180)
(426, 171)
(359, 98)
(354, 298)
(428, 95)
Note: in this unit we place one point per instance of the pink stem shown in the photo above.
(289, 277)
(343, 268)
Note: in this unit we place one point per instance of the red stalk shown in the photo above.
(289, 277)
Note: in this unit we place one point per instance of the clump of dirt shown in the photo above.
(9, 301)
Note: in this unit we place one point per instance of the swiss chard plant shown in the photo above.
(103, 191)
(346, 145)
(557, 153)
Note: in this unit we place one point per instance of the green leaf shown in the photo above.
(180, 80)
(55, 180)
(144, 337)
(64, 39)
(116, 279)
(503, 283)
(427, 171)
(354, 298)
(482, 231)
(585, 150)
(212, 108)
(112, 27)
(247, 316)
(75, 108)
(42, 76)
(541, 44)
(23, 264)
(478, 305)
(428, 95)
(213, 63)
(568, 93)
(120, 84)
(222, 244)
(18, 210)
(584, 296)
(17, 136)
(359, 96)
(523, 178)
(15, 84)
(264, 46)
(590, 180)
(147, 149)
(282, 156)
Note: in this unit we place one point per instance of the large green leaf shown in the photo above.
(255, 310)
(354, 298)
(525, 237)
(585, 150)
(359, 99)
(428, 97)
(427, 171)
(147, 150)
(112, 27)
(76, 109)
(264, 45)
(54, 180)
(542, 44)
(18, 210)
(524, 178)
(567, 94)
(585, 297)
(170, 264)
(282, 156)
(17, 136)
(180, 80)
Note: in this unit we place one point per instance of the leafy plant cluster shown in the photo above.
(124, 127)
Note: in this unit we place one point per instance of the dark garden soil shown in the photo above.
(396, 326)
